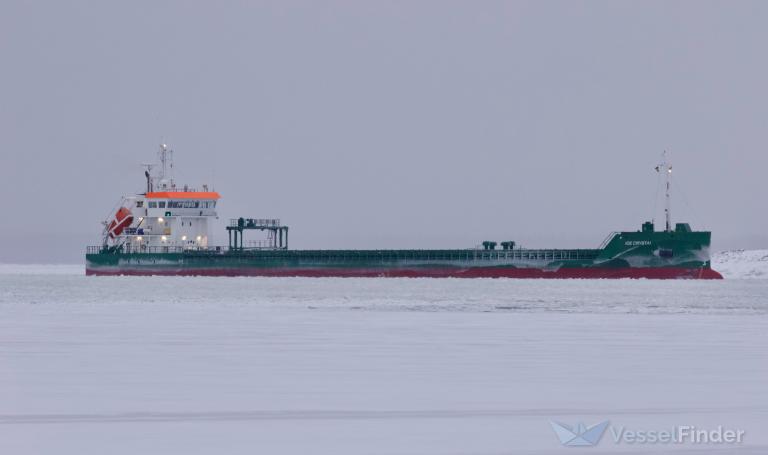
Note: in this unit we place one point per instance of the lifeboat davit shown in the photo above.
(123, 218)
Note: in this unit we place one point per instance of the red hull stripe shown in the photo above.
(475, 272)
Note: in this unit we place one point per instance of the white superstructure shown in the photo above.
(166, 216)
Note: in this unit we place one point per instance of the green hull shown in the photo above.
(648, 254)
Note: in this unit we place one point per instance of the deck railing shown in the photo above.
(333, 255)
(607, 240)
(255, 222)
(127, 249)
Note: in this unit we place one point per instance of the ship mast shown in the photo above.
(166, 162)
(666, 168)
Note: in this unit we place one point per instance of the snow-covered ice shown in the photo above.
(127, 365)
(741, 263)
(41, 269)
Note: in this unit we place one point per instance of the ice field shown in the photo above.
(125, 365)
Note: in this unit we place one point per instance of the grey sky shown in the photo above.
(387, 124)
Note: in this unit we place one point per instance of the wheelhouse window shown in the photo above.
(153, 204)
(183, 204)
(161, 204)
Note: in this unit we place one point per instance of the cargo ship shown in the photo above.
(167, 230)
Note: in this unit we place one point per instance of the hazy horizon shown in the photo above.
(388, 124)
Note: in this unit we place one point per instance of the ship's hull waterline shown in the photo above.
(448, 272)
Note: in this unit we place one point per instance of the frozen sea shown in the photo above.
(161, 365)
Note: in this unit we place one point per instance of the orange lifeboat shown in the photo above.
(123, 218)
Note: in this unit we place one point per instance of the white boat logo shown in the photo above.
(579, 435)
